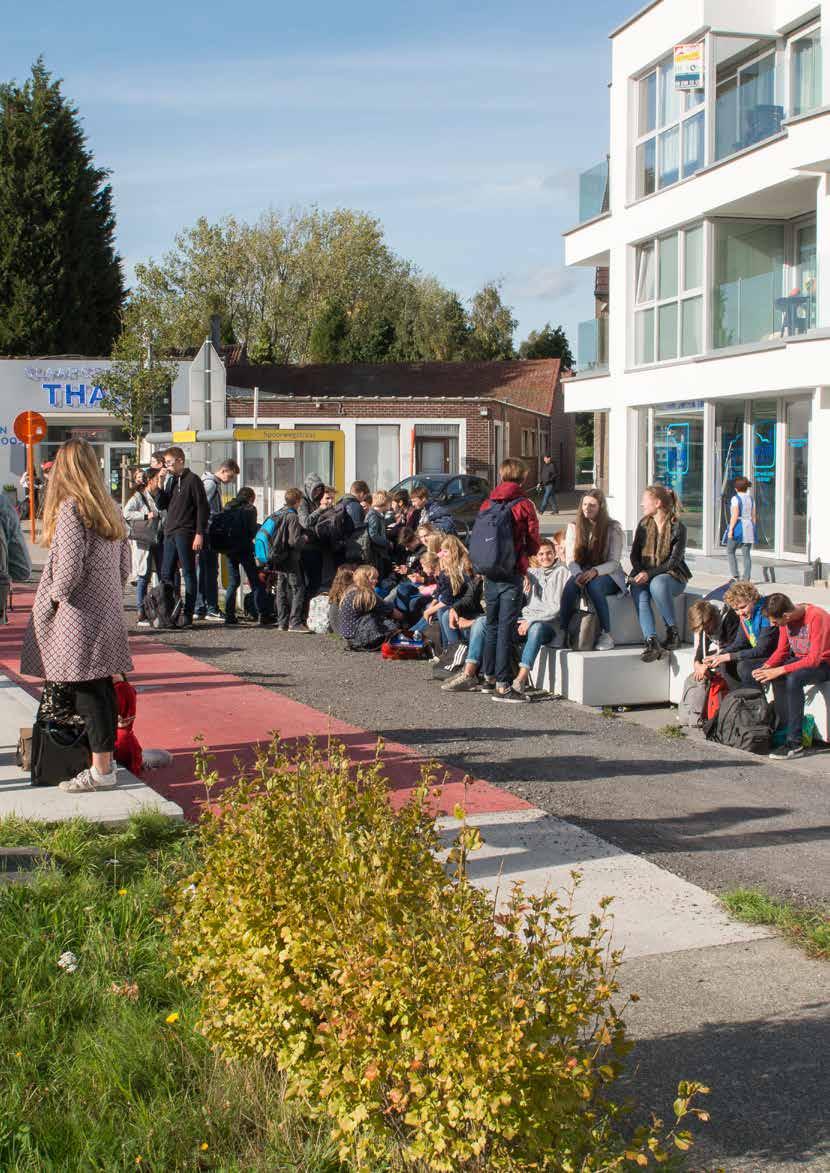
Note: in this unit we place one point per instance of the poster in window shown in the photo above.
(688, 67)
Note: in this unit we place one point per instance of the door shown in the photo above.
(763, 452)
(432, 455)
(118, 460)
(797, 414)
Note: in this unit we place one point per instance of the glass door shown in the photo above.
(797, 414)
(118, 461)
(728, 461)
(764, 471)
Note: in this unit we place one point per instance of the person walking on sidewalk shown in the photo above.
(185, 525)
(548, 478)
(207, 562)
(740, 533)
(76, 634)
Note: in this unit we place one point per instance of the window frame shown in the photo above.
(687, 113)
(681, 295)
(813, 26)
(771, 49)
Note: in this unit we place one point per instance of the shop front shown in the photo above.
(698, 448)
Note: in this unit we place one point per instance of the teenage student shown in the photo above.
(801, 658)
(711, 629)
(754, 639)
(740, 533)
(658, 568)
(185, 526)
(544, 587)
(593, 548)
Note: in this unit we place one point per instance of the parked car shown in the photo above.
(461, 494)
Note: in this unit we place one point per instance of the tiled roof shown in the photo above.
(529, 383)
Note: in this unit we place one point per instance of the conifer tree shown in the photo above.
(61, 285)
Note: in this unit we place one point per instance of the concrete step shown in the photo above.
(618, 677)
(764, 569)
(625, 628)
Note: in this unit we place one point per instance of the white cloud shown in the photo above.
(545, 282)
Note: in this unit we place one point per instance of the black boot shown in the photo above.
(653, 651)
(672, 641)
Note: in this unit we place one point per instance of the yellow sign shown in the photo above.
(184, 437)
(302, 436)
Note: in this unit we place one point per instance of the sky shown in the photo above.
(461, 126)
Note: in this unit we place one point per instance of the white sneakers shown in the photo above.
(605, 643)
(88, 781)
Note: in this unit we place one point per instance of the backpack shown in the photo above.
(404, 647)
(745, 721)
(334, 527)
(227, 531)
(271, 542)
(162, 608)
(318, 615)
(492, 550)
(440, 518)
(583, 631)
(692, 705)
(450, 661)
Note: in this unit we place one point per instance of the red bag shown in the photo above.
(404, 647)
(717, 690)
(127, 748)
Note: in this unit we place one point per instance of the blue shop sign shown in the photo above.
(73, 394)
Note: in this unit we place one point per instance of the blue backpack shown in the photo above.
(440, 518)
(492, 551)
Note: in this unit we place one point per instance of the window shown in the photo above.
(528, 442)
(745, 106)
(677, 462)
(377, 454)
(805, 71)
(668, 315)
(670, 131)
(748, 285)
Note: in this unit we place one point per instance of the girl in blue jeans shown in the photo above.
(593, 548)
(543, 596)
(658, 569)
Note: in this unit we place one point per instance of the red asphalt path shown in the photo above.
(181, 698)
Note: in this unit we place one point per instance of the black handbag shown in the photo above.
(59, 752)
(144, 531)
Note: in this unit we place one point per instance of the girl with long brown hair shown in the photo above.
(76, 634)
(593, 549)
(658, 567)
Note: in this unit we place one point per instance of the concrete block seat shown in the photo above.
(625, 628)
(618, 677)
(817, 706)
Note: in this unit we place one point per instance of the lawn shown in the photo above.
(807, 927)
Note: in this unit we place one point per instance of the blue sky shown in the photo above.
(462, 126)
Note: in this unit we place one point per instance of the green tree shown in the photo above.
(491, 325)
(547, 343)
(138, 384)
(61, 285)
(329, 335)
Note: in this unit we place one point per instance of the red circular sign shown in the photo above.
(30, 427)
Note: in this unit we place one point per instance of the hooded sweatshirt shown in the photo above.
(545, 598)
(313, 487)
(525, 521)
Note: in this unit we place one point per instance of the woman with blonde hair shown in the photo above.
(363, 618)
(456, 589)
(593, 549)
(76, 634)
(658, 567)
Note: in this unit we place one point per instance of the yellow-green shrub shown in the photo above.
(324, 934)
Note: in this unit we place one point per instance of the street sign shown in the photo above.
(30, 427)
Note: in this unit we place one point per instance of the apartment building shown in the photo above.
(711, 213)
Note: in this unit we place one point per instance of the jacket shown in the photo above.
(755, 640)
(186, 503)
(250, 527)
(376, 529)
(354, 510)
(139, 506)
(610, 565)
(544, 600)
(525, 521)
(213, 492)
(446, 595)
(548, 474)
(674, 565)
(19, 562)
(296, 536)
(313, 487)
(805, 644)
(76, 630)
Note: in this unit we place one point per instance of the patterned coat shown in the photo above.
(76, 630)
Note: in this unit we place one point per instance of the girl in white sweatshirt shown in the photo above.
(537, 624)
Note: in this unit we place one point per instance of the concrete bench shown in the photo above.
(624, 626)
(817, 706)
(618, 677)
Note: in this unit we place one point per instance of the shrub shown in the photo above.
(324, 934)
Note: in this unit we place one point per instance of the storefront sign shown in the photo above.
(70, 387)
(6, 437)
(688, 67)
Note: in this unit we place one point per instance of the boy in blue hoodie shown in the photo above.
(289, 595)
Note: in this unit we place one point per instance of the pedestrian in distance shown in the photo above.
(240, 556)
(184, 499)
(282, 531)
(740, 533)
(76, 634)
(207, 563)
(548, 480)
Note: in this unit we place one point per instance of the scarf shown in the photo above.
(657, 545)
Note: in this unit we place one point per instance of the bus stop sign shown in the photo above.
(29, 427)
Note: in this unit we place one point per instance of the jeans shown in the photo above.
(548, 495)
(236, 564)
(664, 589)
(207, 579)
(449, 635)
(290, 597)
(141, 580)
(789, 698)
(745, 669)
(503, 602)
(732, 558)
(538, 634)
(312, 561)
(178, 553)
(407, 599)
(598, 590)
(474, 637)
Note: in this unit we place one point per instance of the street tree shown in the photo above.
(548, 343)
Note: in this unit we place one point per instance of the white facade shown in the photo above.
(715, 226)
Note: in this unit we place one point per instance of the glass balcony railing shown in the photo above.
(592, 345)
(593, 192)
(753, 309)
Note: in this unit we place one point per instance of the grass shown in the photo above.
(101, 1067)
(671, 731)
(807, 927)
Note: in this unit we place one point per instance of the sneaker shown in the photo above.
(784, 752)
(267, 621)
(88, 781)
(522, 687)
(605, 643)
(509, 696)
(672, 641)
(461, 682)
(558, 640)
(486, 684)
(299, 629)
(652, 651)
(199, 616)
(231, 621)
(215, 617)
(144, 622)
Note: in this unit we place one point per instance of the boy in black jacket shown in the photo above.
(183, 496)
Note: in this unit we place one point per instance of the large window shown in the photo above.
(668, 317)
(805, 71)
(746, 109)
(748, 287)
(378, 455)
(670, 131)
(677, 461)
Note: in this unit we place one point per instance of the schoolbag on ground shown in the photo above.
(318, 615)
(451, 660)
(690, 711)
(492, 551)
(271, 542)
(162, 608)
(745, 721)
(334, 527)
(405, 646)
(228, 531)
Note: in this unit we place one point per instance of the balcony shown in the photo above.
(593, 192)
(592, 346)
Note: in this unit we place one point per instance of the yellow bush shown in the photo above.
(324, 935)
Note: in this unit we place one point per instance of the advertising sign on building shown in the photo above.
(688, 67)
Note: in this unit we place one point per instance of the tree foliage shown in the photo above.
(138, 384)
(548, 343)
(60, 277)
(491, 325)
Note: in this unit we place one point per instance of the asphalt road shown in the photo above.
(718, 818)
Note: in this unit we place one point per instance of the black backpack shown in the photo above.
(744, 721)
(492, 551)
(228, 531)
(161, 607)
(334, 527)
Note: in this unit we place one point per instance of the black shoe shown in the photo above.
(653, 651)
(266, 621)
(672, 641)
(231, 621)
(783, 752)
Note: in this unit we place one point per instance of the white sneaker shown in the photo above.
(605, 643)
(461, 682)
(88, 781)
(558, 640)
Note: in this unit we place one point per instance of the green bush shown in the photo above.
(323, 934)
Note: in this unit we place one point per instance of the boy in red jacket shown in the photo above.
(801, 658)
(504, 599)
